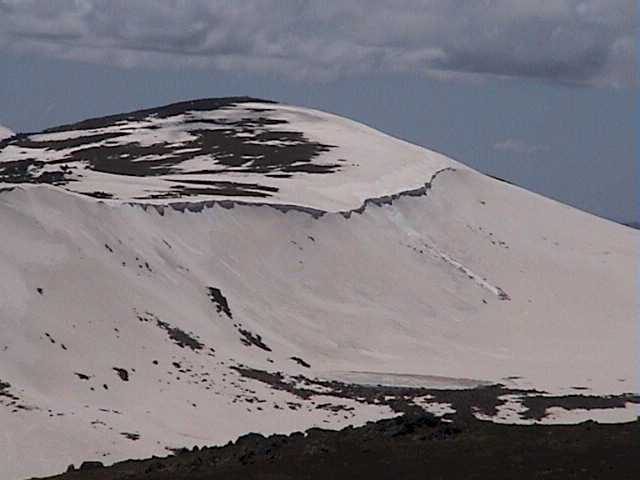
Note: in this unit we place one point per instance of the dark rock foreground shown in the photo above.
(407, 447)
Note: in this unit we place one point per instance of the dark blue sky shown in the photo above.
(540, 93)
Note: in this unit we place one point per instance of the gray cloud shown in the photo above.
(514, 145)
(588, 42)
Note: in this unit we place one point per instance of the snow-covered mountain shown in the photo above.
(186, 274)
(5, 133)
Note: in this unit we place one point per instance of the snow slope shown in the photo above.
(129, 328)
(5, 133)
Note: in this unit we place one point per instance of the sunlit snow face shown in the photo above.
(181, 146)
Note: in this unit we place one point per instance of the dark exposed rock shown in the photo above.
(300, 362)
(90, 465)
(122, 373)
(537, 405)
(220, 301)
(249, 338)
(180, 337)
(405, 424)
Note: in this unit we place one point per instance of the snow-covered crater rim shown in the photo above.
(198, 205)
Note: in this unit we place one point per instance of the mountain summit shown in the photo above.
(233, 148)
(184, 275)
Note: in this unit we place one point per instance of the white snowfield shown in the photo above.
(125, 328)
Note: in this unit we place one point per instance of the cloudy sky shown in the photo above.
(540, 92)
